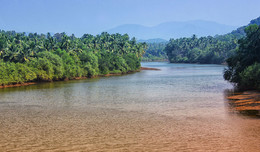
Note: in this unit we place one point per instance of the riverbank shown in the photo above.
(146, 68)
(78, 78)
(246, 102)
(17, 85)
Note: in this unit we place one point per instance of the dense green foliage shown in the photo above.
(155, 52)
(200, 50)
(206, 49)
(244, 66)
(46, 58)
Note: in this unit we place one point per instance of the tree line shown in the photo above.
(155, 52)
(39, 57)
(206, 50)
(244, 66)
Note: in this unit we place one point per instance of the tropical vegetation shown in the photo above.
(244, 66)
(206, 50)
(38, 57)
(155, 52)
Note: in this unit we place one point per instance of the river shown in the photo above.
(182, 107)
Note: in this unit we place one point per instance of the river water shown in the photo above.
(180, 108)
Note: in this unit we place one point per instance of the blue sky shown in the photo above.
(95, 16)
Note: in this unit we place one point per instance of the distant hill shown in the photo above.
(153, 41)
(173, 29)
(240, 32)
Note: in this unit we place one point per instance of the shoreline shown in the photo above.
(146, 68)
(246, 102)
(17, 85)
(76, 78)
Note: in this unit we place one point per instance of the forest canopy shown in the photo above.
(244, 66)
(155, 52)
(206, 50)
(39, 57)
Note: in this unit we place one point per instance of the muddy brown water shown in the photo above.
(182, 107)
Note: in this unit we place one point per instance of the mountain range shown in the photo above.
(174, 30)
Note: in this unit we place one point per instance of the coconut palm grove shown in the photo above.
(34, 57)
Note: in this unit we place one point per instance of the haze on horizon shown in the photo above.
(94, 16)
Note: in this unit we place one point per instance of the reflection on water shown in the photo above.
(183, 107)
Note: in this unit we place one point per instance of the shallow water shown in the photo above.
(180, 108)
